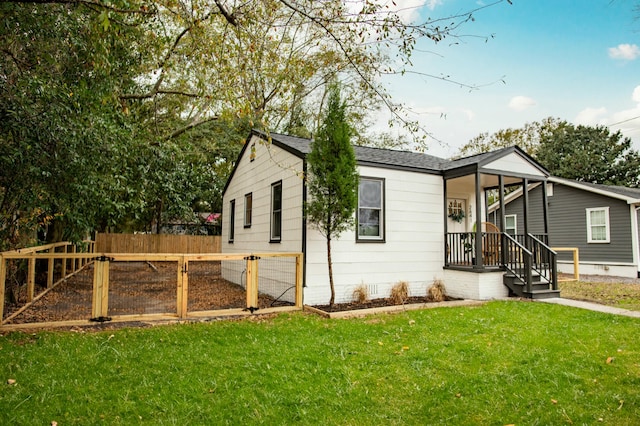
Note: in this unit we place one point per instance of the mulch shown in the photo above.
(374, 303)
(135, 288)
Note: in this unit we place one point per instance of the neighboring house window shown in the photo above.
(276, 211)
(598, 225)
(510, 224)
(232, 219)
(248, 205)
(370, 215)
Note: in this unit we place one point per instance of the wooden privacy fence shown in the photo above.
(158, 243)
(129, 287)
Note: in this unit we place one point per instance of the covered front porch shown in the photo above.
(493, 257)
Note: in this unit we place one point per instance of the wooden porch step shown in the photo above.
(539, 289)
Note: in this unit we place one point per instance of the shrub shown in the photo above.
(400, 293)
(361, 294)
(436, 293)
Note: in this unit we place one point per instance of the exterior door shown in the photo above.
(456, 215)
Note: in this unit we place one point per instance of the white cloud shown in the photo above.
(624, 51)
(432, 4)
(636, 94)
(591, 116)
(520, 103)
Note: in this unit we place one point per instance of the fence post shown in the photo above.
(576, 264)
(252, 282)
(31, 278)
(3, 279)
(64, 263)
(299, 280)
(183, 287)
(100, 301)
(50, 264)
(73, 259)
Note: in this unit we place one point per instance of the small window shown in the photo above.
(511, 224)
(598, 225)
(232, 219)
(248, 204)
(370, 215)
(276, 211)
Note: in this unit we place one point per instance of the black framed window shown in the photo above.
(232, 220)
(248, 205)
(276, 211)
(370, 214)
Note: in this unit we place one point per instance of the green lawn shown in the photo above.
(619, 295)
(507, 362)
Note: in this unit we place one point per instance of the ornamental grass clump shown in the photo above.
(361, 294)
(400, 293)
(436, 293)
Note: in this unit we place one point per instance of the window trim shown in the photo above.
(248, 209)
(515, 224)
(275, 238)
(382, 237)
(232, 220)
(607, 226)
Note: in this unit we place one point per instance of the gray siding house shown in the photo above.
(600, 220)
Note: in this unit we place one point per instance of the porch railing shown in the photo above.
(524, 256)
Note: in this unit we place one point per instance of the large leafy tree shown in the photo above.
(332, 177)
(584, 153)
(590, 154)
(109, 108)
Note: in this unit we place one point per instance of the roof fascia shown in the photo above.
(578, 185)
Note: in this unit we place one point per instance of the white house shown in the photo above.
(416, 222)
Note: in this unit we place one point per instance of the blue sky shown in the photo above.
(577, 60)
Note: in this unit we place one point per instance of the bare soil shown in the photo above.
(135, 288)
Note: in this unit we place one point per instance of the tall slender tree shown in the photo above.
(333, 177)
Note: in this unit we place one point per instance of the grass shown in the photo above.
(506, 362)
(620, 295)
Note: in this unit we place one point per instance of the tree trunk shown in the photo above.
(333, 290)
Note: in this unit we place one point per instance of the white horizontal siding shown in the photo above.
(514, 163)
(271, 165)
(412, 252)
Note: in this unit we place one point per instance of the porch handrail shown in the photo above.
(545, 261)
(517, 260)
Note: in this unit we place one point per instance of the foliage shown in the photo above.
(332, 179)
(117, 115)
(590, 154)
(584, 153)
(506, 362)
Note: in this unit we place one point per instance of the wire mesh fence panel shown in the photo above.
(142, 287)
(69, 300)
(209, 290)
(277, 281)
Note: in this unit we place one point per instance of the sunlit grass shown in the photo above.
(620, 295)
(505, 362)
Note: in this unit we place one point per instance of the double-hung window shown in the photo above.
(276, 212)
(248, 205)
(232, 219)
(370, 215)
(598, 225)
(511, 224)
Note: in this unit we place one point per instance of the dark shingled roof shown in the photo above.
(619, 190)
(405, 160)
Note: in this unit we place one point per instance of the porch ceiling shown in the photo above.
(463, 183)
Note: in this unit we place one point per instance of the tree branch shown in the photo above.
(191, 126)
(142, 11)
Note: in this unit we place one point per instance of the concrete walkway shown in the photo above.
(591, 306)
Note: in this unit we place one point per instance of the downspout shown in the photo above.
(304, 225)
(636, 238)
